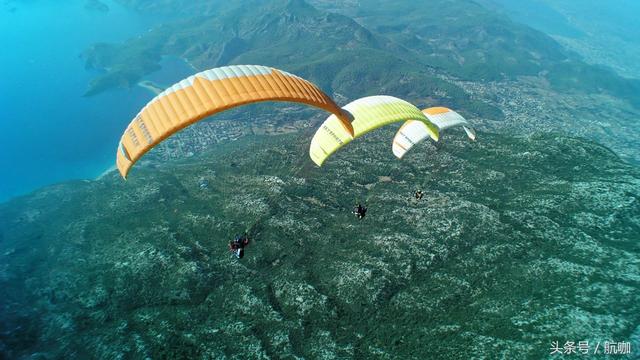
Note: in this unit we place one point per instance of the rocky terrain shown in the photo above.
(527, 237)
(519, 242)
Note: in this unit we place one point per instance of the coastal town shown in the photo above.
(201, 136)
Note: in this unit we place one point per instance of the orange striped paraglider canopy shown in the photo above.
(210, 92)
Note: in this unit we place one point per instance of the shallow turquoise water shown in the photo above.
(49, 132)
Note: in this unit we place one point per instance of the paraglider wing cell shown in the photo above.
(413, 132)
(210, 92)
(409, 134)
(368, 114)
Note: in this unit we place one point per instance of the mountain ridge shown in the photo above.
(449, 58)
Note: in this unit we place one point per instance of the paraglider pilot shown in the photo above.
(419, 194)
(360, 211)
(237, 245)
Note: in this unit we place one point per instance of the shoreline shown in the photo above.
(106, 172)
(150, 86)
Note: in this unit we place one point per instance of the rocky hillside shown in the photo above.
(519, 241)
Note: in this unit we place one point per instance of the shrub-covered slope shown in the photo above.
(519, 241)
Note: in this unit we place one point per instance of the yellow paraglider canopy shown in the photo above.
(369, 113)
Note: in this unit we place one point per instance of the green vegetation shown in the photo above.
(463, 56)
(592, 79)
(520, 241)
(471, 42)
(291, 35)
(602, 33)
(461, 38)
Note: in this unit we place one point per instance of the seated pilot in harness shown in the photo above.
(360, 211)
(237, 245)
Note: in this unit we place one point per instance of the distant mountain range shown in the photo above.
(398, 48)
(602, 32)
(462, 38)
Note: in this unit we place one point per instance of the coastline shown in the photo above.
(150, 86)
(106, 172)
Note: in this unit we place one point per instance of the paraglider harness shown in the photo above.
(360, 211)
(237, 245)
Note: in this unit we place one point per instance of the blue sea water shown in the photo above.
(49, 132)
(172, 69)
